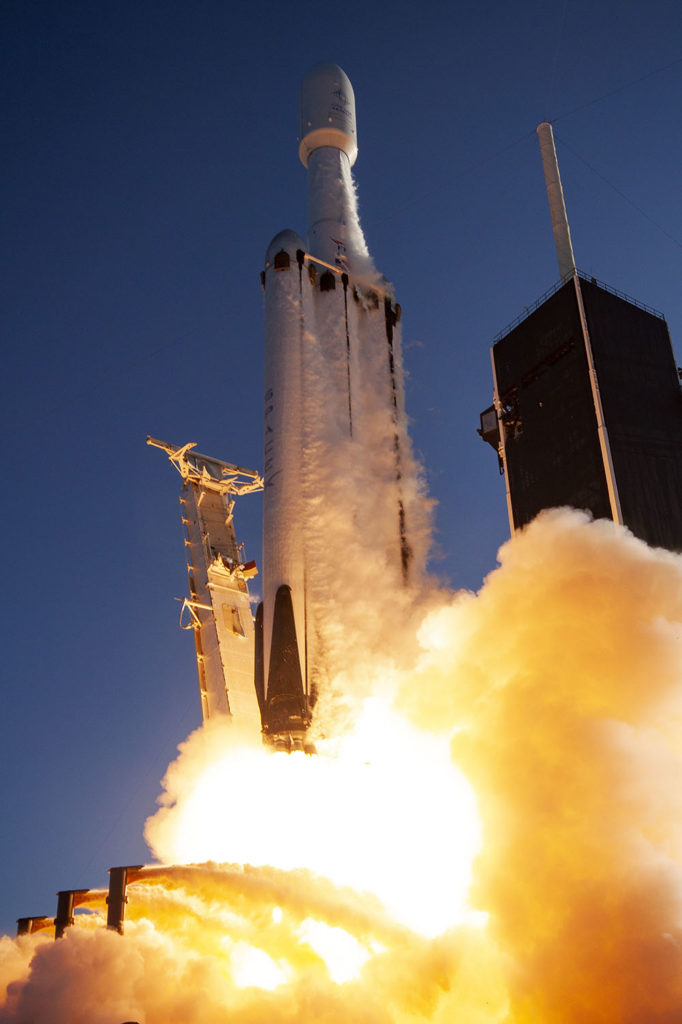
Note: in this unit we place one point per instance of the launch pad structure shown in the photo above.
(218, 609)
(587, 408)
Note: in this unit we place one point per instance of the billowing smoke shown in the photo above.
(557, 693)
(366, 813)
(566, 673)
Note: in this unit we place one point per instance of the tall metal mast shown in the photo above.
(557, 206)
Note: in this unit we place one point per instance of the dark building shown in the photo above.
(588, 412)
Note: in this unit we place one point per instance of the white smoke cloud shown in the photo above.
(567, 670)
(560, 688)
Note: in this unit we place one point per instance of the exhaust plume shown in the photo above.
(566, 673)
(556, 692)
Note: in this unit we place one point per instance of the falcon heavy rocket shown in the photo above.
(337, 469)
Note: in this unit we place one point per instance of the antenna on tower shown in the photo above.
(557, 207)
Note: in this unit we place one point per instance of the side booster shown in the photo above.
(334, 421)
(281, 671)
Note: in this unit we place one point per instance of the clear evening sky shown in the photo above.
(150, 156)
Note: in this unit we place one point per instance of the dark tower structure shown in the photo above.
(587, 405)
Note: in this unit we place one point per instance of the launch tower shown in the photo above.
(587, 407)
(217, 610)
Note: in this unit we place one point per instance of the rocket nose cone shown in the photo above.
(326, 112)
(287, 241)
(323, 73)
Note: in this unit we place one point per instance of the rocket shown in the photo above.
(339, 489)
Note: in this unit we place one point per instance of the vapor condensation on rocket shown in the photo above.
(333, 395)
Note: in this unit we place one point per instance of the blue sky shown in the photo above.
(150, 157)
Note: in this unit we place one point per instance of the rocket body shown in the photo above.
(341, 495)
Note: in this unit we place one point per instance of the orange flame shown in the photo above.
(558, 691)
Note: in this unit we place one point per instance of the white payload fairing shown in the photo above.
(342, 502)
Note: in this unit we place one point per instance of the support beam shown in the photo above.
(29, 925)
(67, 901)
(117, 898)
